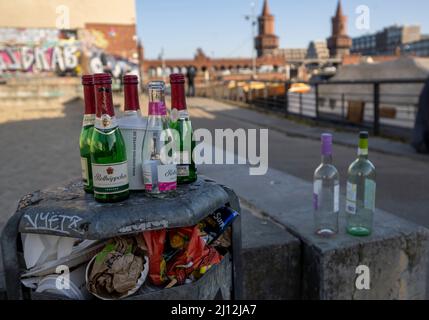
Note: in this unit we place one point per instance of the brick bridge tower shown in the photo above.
(339, 43)
(266, 41)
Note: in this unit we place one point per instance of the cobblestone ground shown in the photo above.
(38, 148)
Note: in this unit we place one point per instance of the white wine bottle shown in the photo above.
(361, 185)
(326, 192)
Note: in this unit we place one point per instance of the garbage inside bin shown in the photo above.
(75, 289)
(183, 255)
(81, 252)
(119, 270)
(216, 224)
(39, 248)
(123, 266)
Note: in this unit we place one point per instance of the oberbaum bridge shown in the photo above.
(276, 63)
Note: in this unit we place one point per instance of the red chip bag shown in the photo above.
(196, 256)
(155, 241)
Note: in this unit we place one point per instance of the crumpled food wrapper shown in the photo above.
(119, 269)
(177, 255)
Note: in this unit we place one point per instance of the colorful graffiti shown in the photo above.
(38, 50)
(118, 67)
(60, 52)
(39, 59)
(94, 44)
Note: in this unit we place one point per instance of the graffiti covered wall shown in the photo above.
(33, 51)
(38, 50)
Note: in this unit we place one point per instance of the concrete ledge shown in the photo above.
(396, 253)
(270, 260)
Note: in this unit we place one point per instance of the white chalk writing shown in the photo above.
(52, 221)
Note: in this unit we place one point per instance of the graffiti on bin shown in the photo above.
(53, 222)
(143, 226)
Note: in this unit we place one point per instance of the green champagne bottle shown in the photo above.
(86, 132)
(186, 169)
(360, 205)
(108, 154)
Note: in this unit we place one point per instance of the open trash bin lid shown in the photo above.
(69, 212)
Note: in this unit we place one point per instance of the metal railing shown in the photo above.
(386, 107)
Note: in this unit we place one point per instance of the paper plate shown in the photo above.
(139, 283)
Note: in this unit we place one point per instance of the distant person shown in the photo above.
(190, 75)
(421, 129)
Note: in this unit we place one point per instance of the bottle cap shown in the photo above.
(156, 85)
(102, 78)
(131, 79)
(131, 93)
(178, 98)
(88, 80)
(363, 135)
(326, 144)
(177, 78)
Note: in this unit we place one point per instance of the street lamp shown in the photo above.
(253, 22)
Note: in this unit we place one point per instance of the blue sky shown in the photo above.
(219, 27)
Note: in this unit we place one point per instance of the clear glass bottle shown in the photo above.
(361, 185)
(133, 128)
(159, 150)
(186, 169)
(108, 154)
(86, 132)
(326, 192)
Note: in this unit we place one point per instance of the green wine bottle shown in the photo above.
(360, 204)
(86, 132)
(186, 169)
(108, 154)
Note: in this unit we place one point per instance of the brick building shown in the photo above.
(266, 42)
(339, 43)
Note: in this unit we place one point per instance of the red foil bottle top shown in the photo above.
(178, 97)
(102, 78)
(103, 95)
(131, 79)
(88, 94)
(131, 93)
(88, 79)
(177, 78)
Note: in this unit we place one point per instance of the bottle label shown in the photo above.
(317, 188)
(106, 122)
(362, 151)
(174, 115)
(337, 198)
(133, 144)
(317, 196)
(178, 114)
(85, 174)
(110, 178)
(183, 170)
(369, 201)
(351, 198)
(88, 120)
(167, 175)
(164, 175)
